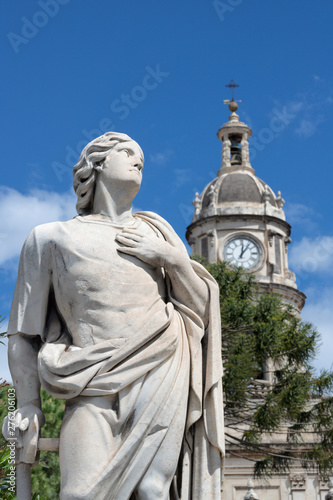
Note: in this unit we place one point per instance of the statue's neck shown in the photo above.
(116, 206)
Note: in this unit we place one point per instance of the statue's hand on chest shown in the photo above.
(142, 242)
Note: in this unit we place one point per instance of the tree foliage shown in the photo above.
(270, 387)
(45, 478)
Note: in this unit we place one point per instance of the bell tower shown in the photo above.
(238, 217)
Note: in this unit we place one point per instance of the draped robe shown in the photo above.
(117, 332)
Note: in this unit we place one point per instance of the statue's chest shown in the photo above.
(90, 258)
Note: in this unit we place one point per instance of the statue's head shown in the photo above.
(90, 162)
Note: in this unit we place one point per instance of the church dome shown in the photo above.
(237, 187)
(237, 191)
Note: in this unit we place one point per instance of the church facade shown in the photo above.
(238, 218)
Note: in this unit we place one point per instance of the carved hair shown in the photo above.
(84, 172)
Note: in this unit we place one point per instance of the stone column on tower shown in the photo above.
(226, 152)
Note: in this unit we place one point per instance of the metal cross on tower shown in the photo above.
(233, 106)
(232, 85)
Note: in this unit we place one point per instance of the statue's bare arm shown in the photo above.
(22, 356)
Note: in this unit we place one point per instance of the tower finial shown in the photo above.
(233, 106)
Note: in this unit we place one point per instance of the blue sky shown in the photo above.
(157, 71)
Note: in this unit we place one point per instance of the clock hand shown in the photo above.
(244, 250)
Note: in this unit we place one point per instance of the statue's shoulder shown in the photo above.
(149, 215)
(152, 218)
(51, 232)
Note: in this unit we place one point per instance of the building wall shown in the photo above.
(297, 485)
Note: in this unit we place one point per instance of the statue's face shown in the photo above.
(124, 163)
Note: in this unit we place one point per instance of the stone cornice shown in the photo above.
(234, 217)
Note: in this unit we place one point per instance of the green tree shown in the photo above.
(45, 478)
(4, 451)
(270, 387)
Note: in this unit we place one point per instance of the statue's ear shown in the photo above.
(98, 165)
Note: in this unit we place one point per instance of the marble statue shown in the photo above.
(110, 314)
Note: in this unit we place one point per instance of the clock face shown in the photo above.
(242, 251)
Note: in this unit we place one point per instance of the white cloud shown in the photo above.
(309, 105)
(22, 212)
(307, 128)
(297, 213)
(293, 107)
(161, 158)
(310, 256)
(319, 311)
(181, 176)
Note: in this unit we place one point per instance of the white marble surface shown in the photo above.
(110, 314)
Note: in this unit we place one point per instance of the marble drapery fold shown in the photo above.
(143, 375)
